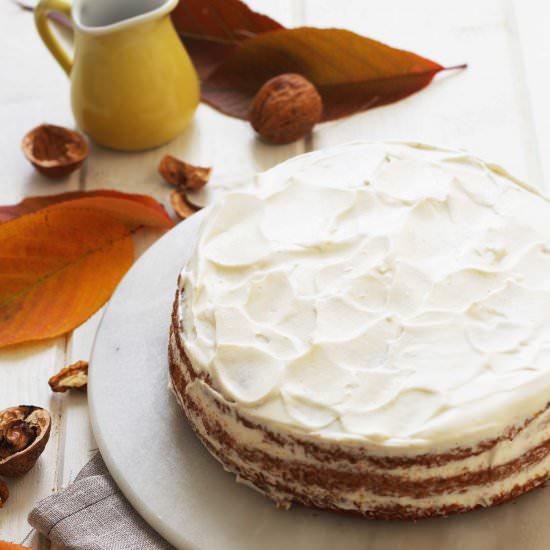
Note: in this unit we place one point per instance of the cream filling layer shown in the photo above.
(362, 500)
(391, 293)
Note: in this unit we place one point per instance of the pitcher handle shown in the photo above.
(41, 12)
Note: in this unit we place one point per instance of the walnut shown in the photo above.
(184, 176)
(4, 493)
(74, 376)
(55, 151)
(182, 207)
(18, 435)
(24, 432)
(285, 109)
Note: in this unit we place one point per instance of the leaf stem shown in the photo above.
(455, 67)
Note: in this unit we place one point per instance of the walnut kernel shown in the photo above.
(74, 376)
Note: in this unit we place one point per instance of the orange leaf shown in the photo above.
(57, 267)
(11, 546)
(129, 208)
(352, 73)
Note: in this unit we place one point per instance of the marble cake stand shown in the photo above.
(185, 494)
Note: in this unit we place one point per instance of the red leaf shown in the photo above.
(352, 73)
(210, 29)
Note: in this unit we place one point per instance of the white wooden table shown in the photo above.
(499, 108)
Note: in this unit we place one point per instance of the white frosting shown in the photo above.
(394, 293)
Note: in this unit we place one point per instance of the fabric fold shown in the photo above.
(92, 514)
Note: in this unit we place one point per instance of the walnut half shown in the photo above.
(24, 432)
(54, 151)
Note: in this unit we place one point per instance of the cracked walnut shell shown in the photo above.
(55, 151)
(182, 175)
(24, 432)
(182, 207)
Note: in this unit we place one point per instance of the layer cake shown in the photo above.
(366, 329)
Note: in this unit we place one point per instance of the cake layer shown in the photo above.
(289, 467)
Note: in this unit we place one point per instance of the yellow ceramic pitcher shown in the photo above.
(132, 83)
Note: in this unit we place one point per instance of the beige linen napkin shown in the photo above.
(92, 514)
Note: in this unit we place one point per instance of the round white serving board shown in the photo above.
(184, 494)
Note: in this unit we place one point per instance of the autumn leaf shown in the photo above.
(57, 267)
(32, 204)
(11, 546)
(128, 206)
(61, 263)
(210, 29)
(352, 73)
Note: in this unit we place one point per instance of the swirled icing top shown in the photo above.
(397, 293)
